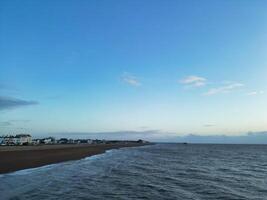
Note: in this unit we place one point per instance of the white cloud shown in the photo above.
(194, 81)
(255, 93)
(224, 89)
(131, 80)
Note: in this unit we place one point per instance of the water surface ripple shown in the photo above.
(161, 171)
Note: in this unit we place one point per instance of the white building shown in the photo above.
(90, 141)
(49, 140)
(23, 139)
(9, 140)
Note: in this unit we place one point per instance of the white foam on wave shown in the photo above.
(36, 169)
(31, 170)
(46, 167)
(94, 157)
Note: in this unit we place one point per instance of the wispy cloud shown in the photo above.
(194, 81)
(159, 136)
(253, 93)
(10, 102)
(229, 87)
(209, 125)
(6, 123)
(12, 122)
(9, 88)
(248, 138)
(131, 80)
(117, 135)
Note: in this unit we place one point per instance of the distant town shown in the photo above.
(26, 139)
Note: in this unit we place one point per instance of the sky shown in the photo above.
(153, 68)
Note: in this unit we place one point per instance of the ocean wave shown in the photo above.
(164, 171)
(30, 170)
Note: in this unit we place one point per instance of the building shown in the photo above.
(36, 141)
(63, 141)
(23, 139)
(49, 140)
(89, 141)
(8, 140)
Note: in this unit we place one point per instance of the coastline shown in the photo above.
(18, 158)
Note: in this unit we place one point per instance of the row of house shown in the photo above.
(26, 139)
(52, 140)
(48, 140)
(80, 141)
(21, 139)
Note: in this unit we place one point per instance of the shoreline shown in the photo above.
(19, 158)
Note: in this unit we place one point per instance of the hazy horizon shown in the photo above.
(163, 71)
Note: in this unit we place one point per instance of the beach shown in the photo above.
(13, 158)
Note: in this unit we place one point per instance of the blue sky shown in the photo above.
(173, 67)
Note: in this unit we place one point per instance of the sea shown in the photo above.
(159, 171)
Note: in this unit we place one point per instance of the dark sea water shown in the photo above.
(161, 171)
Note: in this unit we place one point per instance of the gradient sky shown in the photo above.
(172, 66)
